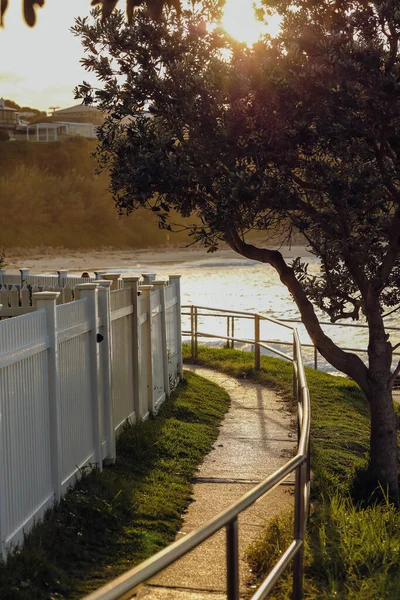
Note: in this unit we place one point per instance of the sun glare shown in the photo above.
(240, 22)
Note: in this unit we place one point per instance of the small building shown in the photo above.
(8, 119)
(79, 114)
(49, 130)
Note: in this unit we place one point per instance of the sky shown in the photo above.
(39, 67)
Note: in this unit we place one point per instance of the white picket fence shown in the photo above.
(16, 290)
(70, 377)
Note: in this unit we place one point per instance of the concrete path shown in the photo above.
(255, 439)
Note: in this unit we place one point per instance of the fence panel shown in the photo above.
(122, 358)
(56, 381)
(25, 467)
(73, 324)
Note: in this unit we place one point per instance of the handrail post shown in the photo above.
(315, 358)
(299, 528)
(257, 360)
(232, 560)
(192, 330)
(196, 341)
(233, 332)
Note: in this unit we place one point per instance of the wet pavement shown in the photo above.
(256, 438)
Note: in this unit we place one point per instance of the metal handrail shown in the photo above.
(124, 586)
(282, 322)
(231, 339)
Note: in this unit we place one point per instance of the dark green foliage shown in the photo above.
(303, 130)
(115, 519)
(37, 114)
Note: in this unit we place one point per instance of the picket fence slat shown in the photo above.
(70, 376)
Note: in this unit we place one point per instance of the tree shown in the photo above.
(36, 113)
(301, 131)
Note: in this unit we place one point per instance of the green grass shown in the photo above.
(352, 546)
(340, 414)
(116, 518)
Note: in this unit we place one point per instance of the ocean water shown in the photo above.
(245, 285)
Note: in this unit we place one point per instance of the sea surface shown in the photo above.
(245, 285)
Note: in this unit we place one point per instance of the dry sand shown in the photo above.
(49, 260)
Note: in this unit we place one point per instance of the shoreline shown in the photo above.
(49, 260)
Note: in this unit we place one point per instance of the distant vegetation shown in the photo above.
(36, 114)
(51, 196)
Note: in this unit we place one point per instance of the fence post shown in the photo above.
(148, 278)
(257, 361)
(315, 358)
(105, 369)
(132, 282)
(47, 301)
(24, 276)
(176, 279)
(160, 285)
(113, 277)
(62, 277)
(146, 291)
(89, 291)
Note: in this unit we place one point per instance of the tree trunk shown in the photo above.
(383, 441)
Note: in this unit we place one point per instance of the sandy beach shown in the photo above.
(49, 260)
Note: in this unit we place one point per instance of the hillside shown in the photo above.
(51, 196)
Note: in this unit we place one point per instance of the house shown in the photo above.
(51, 130)
(78, 120)
(79, 114)
(8, 119)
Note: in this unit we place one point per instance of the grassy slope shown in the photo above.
(352, 550)
(115, 519)
(50, 195)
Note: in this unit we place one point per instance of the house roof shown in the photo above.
(44, 124)
(76, 108)
(53, 119)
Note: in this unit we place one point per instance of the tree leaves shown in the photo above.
(154, 8)
(291, 135)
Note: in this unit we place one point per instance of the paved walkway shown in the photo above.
(254, 440)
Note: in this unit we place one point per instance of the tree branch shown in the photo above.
(385, 178)
(305, 184)
(346, 362)
(391, 255)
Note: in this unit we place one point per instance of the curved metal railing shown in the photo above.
(124, 586)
